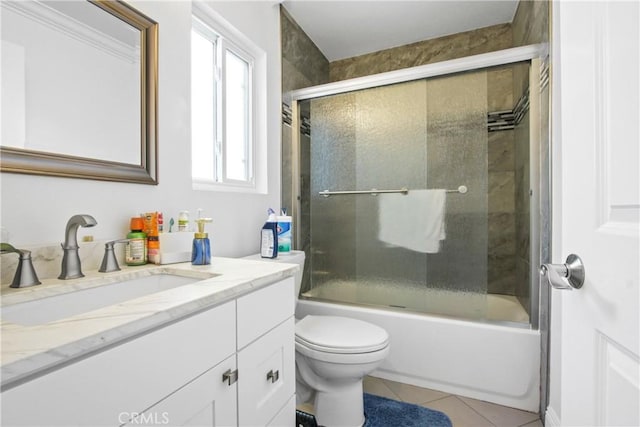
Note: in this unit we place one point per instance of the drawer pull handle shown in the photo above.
(230, 376)
(273, 376)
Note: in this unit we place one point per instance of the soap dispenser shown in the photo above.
(201, 252)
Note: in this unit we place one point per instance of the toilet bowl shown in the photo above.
(333, 355)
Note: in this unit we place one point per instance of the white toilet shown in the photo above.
(333, 354)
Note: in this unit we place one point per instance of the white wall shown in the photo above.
(35, 209)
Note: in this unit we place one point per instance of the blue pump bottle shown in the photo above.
(201, 251)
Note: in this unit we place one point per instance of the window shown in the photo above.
(223, 131)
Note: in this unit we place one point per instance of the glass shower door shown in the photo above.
(374, 249)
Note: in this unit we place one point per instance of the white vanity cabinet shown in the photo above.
(229, 365)
(266, 355)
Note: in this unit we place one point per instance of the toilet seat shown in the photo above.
(339, 335)
(342, 358)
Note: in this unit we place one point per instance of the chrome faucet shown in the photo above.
(25, 273)
(71, 268)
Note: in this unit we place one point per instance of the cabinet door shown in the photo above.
(287, 415)
(208, 400)
(266, 375)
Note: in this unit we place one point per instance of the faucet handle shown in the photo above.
(25, 273)
(6, 248)
(109, 261)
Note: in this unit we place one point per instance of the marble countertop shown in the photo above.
(30, 351)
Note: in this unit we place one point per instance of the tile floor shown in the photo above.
(463, 411)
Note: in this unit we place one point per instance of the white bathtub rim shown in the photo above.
(439, 318)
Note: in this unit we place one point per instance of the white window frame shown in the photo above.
(229, 38)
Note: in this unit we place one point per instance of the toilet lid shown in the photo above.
(335, 334)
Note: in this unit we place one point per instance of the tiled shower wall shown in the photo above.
(303, 65)
(501, 265)
(530, 25)
(483, 40)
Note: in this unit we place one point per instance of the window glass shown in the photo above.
(203, 107)
(237, 117)
(221, 109)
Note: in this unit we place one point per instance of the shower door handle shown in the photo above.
(567, 276)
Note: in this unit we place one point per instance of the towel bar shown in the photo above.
(374, 192)
(462, 189)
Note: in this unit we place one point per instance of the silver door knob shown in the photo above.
(568, 276)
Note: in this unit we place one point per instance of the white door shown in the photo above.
(596, 46)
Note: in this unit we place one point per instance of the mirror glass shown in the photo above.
(78, 90)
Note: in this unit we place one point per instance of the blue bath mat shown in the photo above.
(383, 412)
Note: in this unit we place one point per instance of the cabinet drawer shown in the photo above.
(128, 378)
(264, 309)
(266, 376)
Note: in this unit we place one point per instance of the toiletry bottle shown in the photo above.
(183, 221)
(284, 233)
(201, 251)
(135, 252)
(269, 237)
(151, 228)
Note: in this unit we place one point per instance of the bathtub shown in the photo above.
(485, 361)
(417, 298)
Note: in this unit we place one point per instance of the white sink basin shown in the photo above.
(49, 309)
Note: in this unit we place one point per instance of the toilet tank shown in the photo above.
(294, 257)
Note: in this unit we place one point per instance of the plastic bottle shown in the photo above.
(284, 234)
(183, 221)
(269, 237)
(135, 252)
(201, 251)
(152, 230)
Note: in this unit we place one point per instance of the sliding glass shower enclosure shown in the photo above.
(415, 193)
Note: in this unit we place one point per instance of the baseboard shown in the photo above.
(551, 419)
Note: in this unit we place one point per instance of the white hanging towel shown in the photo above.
(414, 221)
